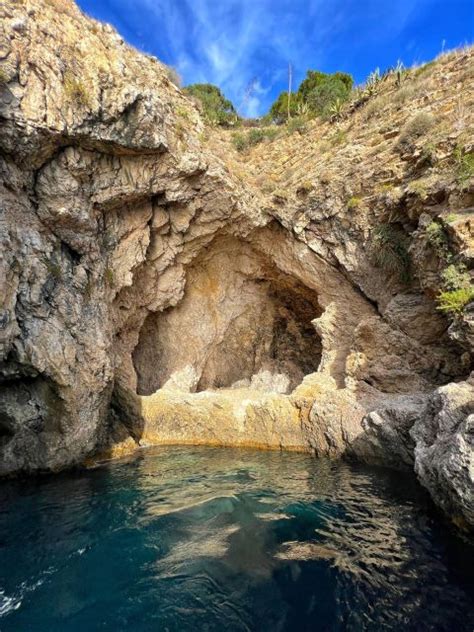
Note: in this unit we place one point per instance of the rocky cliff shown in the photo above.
(157, 286)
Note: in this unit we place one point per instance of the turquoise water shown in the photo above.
(205, 539)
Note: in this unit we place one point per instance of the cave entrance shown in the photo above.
(242, 322)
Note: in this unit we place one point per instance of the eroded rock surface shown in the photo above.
(444, 452)
(158, 287)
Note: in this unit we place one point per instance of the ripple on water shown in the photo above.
(213, 539)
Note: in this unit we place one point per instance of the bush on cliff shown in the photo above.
(216, 108)
(317, 95)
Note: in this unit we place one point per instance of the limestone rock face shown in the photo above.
(444, 452)
(156, 286)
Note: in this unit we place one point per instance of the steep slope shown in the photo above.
(159, 287)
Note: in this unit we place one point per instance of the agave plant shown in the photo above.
(372, 82)
(336, 108)
(399, 71)
(302, 109)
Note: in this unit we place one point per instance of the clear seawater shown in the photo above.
(208, 539)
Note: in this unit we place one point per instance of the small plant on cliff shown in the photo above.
(253, 137)
(400, 72)
(416, 127)
(372, 82)
(405, 93)
(54, 269)
(256, 136)
(456, 277)
(297, 124)
(454, 301)
(173, 75)
(458, 289)
(353, 203)
(239, 141)
(375, 107)
(438, 239)
(337, 108)
(389, 250)
(76, 90)
(109, 277)
(464, 165)
(305, 187)
(338, 138)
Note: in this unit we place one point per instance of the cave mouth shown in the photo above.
(241, 323)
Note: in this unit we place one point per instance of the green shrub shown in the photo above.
(438, 239)
(183, 112)
(338, 138)
(389, 250)
(418, 187)
(239, 141)
(371, 84)
(317, 94)
(297, 124)
(353, 203)
(216, 108)
(428, 155)
(416, 127)
(322, 99)
(253, 137)
(272, 132)
(456, 277)
(458, 289)
(464, 165)
(279, 109)
(337, 108)
(454, 301)
(403, 94)
(374, 107)
(422, 69)
(315, 79)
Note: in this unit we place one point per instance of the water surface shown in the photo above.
(191, 539)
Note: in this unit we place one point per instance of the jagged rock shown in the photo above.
(387, 436)
(444, 452)
(141, 262)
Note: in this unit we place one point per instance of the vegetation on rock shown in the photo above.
(76, 90)
(390, 251)
(454, 301)
(215, 107)
(318, 94)
(416, 127)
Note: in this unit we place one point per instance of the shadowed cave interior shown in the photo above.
(241, 322)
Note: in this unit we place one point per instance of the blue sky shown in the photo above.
(238, 43)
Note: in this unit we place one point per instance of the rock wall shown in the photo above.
(158, 287)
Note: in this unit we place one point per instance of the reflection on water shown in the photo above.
(223, 539)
